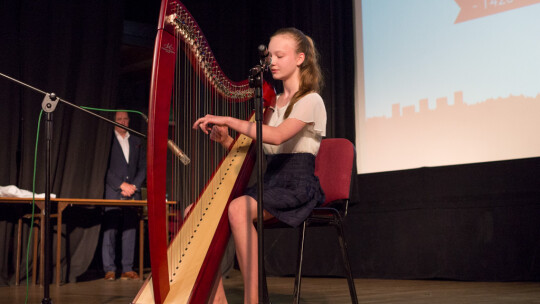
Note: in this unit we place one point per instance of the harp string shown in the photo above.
(194, 96)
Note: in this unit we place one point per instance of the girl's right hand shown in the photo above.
(220, 134)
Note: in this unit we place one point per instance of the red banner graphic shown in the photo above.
(472, 9)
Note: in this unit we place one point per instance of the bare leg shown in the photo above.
(242, 213)
(218, 292)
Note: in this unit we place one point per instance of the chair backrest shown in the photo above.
(333, 167)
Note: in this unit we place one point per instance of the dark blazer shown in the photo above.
(120, 171)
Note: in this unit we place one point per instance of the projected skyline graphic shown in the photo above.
(449, 134)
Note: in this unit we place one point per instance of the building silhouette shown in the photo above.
(493, 129)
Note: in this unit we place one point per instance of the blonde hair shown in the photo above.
(311, 79)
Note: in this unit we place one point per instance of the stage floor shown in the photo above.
(314, 290)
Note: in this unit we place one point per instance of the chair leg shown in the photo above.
(19, 252)
(344, 254)
(266, 295)
(42, 249)
(19, 244)
(35, 255)
(141, 247)
(300, 260)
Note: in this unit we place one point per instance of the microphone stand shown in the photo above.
(256, 82)
(49, 105)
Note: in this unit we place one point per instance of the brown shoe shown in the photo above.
(130, 275)
(110, 276)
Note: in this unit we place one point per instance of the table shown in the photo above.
(63, 203)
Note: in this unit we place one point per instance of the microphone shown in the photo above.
(265, 58)
(178, 152)
(174, 148)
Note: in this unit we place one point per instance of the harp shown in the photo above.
(187, 83)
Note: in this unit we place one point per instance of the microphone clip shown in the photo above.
(257, 70)
(255, 74)
(265, 59)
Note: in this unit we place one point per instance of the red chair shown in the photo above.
(333, 166)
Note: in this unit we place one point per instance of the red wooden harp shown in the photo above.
(188, 83)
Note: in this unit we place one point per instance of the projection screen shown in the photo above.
(446, 82)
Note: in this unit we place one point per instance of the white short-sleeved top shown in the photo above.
(309, 109)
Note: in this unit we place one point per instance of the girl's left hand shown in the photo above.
(205, 122)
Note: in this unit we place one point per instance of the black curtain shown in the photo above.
(70, 48)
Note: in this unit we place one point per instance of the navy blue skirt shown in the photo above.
(291, 190)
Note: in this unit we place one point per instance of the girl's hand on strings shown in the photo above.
(206, 123)
(219, 134)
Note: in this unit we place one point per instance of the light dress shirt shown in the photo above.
(124, 144)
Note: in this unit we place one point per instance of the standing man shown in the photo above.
(125, 175)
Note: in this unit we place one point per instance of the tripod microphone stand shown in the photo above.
(49, 105)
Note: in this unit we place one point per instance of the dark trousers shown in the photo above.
(123, 220)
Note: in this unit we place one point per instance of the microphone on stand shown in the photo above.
(178, 152)
(265, 58)
(174, 148)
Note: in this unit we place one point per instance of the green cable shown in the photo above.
(33, 205)
(111, 110)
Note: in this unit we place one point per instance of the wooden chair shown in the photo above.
(333, 166)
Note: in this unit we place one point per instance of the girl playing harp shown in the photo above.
(291, 142)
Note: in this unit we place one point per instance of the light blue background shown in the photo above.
(413, 50)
